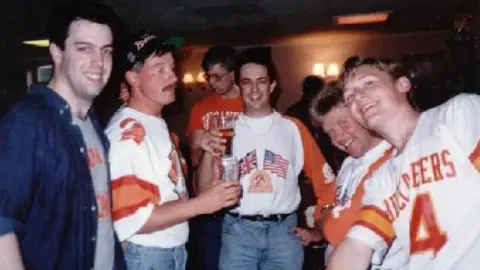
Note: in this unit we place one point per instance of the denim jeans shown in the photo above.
(139, 257)
(260, 245)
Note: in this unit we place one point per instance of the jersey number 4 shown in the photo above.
(425, 233)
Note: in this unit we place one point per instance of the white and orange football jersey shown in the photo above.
(433, 202)
(146, 171)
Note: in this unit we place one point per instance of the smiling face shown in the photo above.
(155, 83)
(373, 96)
(85, 63)
(346, 133)
(256, 86)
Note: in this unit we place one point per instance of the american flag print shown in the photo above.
(248, 163)
(275, 164)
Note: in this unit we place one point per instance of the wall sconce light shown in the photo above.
(319, 69)
(201, 77)
(333, 70)
(188, 78)
(191, 83)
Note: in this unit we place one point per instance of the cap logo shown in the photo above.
(139, 44)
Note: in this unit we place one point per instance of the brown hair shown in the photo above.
(328, 98)
(393, 68)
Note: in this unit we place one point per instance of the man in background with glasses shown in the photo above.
(218, 65)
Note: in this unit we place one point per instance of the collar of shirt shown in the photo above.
(57, 102)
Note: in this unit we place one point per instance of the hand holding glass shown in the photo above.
(225, 124)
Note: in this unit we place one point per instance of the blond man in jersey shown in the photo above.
(427, 194)
(150, 201)
(272, 150)
(367, 152)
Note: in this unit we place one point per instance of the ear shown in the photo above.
(56, 53)
(403, 84)
(132, 78)
(272, 86)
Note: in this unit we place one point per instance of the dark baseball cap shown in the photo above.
(143, 44)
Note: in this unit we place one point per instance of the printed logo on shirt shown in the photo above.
(341, 198)
(328, 173)
(175, 174)
(260, 182)
(275, 163)
(339, 208)
(248, 163)
(104, 205)
(135, 132)
(206, 117)
(343, 202)
(94, 158)
(183, 162)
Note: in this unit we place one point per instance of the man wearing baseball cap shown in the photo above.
(150, 201)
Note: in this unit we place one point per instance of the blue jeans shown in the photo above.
(260, 245)
(139, 257)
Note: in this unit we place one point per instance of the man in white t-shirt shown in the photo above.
(432, 204)
(272, 151)
(367, 152)
(150, 201)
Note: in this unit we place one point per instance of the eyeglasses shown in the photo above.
(214, 77)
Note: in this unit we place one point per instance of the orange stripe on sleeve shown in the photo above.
(475, 156)
(336, 228)
(130, 193)
(316, 168)
(376, 220)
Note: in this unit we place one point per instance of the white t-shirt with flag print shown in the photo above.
(271, 155)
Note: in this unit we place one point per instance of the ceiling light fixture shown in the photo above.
(363, 18)
(37, 42)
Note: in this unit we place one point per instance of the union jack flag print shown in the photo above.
(248, 163)
(275, 164)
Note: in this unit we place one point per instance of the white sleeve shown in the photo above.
(374, 227)
(134, 193)
(463, 117)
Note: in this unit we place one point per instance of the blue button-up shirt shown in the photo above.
(46, 190)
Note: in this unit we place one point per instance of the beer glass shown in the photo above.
(225, 125)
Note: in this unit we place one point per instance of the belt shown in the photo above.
(275, 217)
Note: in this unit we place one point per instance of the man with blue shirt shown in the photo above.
(55, 195)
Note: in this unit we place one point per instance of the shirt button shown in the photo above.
(82, 150)
(60, 111)
(94, 239)
(93, 208)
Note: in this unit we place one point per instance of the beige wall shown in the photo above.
(294, 59)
